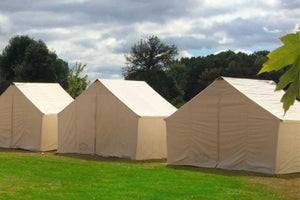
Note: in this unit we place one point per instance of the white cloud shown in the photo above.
(5, 24)
(243, 51)
(271, 31)
(235, 51)
(99, 33)
(222, 38)
(184, 54)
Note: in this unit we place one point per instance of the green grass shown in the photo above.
(25, 175)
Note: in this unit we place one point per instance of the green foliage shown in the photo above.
(181, 80)
(148, 61)
(203, 70)
(177, 71)
(209, 75)
(25, 59)
(76, 83)
(286, 56)
(149, 54)
(47, 176)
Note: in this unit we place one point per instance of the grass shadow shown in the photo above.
(226, 172)
(87, 157)
(98, 158)
(109, 159)
(17, 150)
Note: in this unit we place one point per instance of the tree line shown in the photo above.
(178, 80)
(27, 60)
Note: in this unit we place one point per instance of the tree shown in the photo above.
(286, 57)
(208, 76)
(148, 61)
(201, 71)
(76, 83)
(178, 72)
(149, 54)
(28, 60)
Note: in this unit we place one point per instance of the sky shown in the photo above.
(99, 33)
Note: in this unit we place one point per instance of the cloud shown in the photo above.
(185, 54)
(99, 33)
(243, 51)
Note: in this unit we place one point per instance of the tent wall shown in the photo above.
(151, 138)
(85, 124)
(192, 134)
(116, 130)
(288, 150)
(49, 133)
(262, 131)
(22, 123)
(222, 128)
(76, 126)
(98, 122)
(98, 118)
(233, 133)
(5, 120)
(247, 134)
(66, 121)
(27, 124)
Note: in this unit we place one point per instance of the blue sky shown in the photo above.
(99, 33)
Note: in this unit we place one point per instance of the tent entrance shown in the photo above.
(231, 131)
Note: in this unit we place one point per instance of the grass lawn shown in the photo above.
(25, 175)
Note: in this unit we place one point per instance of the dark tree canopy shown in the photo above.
(149, 54)
(25, 59)
(203, 70)
(180, 80)
(147, 61)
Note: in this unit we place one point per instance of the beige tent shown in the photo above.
(28, 115)
(116, 118)
(236, 124)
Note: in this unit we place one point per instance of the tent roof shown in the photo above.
(49, 98)
(263, 93)
(139, 97)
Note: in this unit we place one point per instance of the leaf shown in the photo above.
(286, 55)
(288, 76)
(290, 95)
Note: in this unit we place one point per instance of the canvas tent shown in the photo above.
(28, 115)
(236, 124)
(116, 118)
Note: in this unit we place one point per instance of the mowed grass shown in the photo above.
(25, 175)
